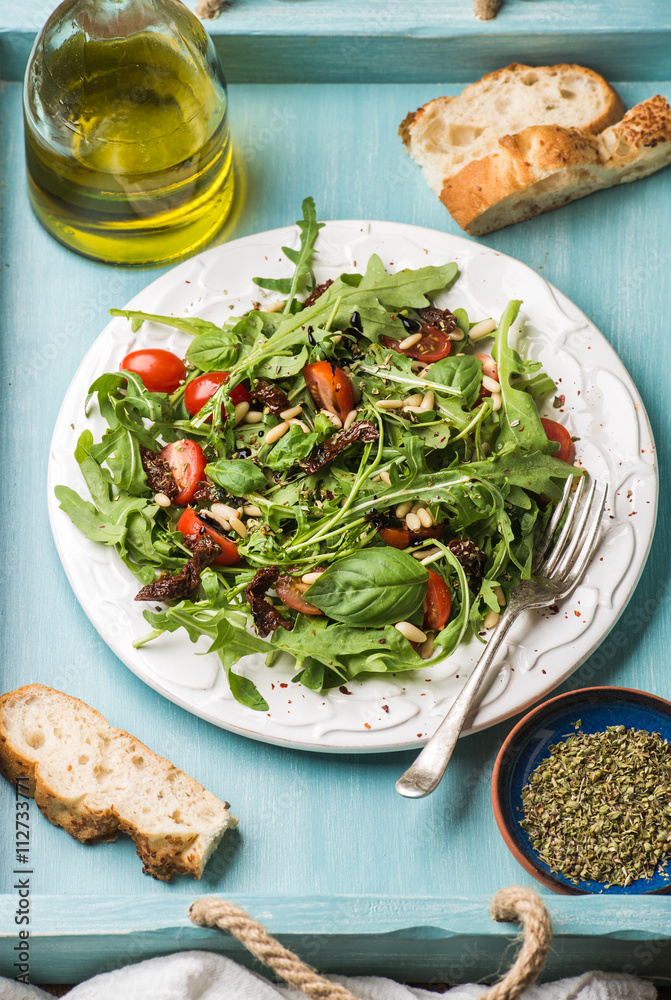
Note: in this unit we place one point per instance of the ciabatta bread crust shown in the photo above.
(448, 133)
(95, 781)
(546, 166)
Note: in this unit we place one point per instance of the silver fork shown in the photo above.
(555, 576)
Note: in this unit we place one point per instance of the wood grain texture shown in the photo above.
(444, 940)
(392, 41)
(311, 825)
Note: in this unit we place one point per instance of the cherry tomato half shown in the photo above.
(437, 604)
(329, 387)
(290, 590)
(187, 464)
(489, 368)
(160, 371)
(203, 387)
(557, 432)
(192, 526)
(433, 346)
(400, 538)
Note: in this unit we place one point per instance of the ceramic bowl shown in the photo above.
(528, 744)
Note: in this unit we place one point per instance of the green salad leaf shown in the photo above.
(372, 588)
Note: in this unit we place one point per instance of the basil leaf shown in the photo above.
(238, 476)
(464, 374)
(371, 589)
(213, 351)
(292, 447)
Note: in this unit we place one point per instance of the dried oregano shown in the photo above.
(599, 807)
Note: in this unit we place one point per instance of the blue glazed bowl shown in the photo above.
(529, 743)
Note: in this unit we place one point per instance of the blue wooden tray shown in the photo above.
(336, 862)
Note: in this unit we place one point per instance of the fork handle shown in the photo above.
(425, 774)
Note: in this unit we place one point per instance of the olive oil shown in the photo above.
(127, 141)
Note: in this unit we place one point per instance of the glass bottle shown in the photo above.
(127, 140)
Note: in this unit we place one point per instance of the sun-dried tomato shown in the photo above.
(325, 452)
(185, 583)
(266, 617)
(271, 396)
(316, 292)
(157, 471)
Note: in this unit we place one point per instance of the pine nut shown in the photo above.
(253, 510)
(423, 374)
(274, 307)
(266, 411)
(423, 554)
(223, 510)
(293, 411)
(276, 432)
(415, 409)
(311, 577)
(418, 366)
(491, 619)
(349, 419)
(337, 338)
(299, 423)
(385, 477)
(241, 411)
(415, 400)
(497, 401)
(333, 417)
(390, 404)
(428, 401)
(426, 649)
(252, 417)
(491, 384)
(162, 500)
(456, 335)
(410, 341)
(415, 507)
(425, 518)
(219, 518)
(411, 632)
(482, 329)
(500, 596)
(403, 508)
(486, 448)
(413, 522)
(238, 527)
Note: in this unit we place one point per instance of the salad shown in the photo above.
(345, 476)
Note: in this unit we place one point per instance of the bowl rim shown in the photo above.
(524, 860)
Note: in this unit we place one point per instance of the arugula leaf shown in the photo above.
(377, 587)
(521, 424)
(330, 653)
(301, 258)
(189, 324)
(238, 476)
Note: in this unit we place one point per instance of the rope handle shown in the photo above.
(509, 905)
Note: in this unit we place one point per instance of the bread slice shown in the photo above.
(448, 133)
(546, 166)
(95, 781)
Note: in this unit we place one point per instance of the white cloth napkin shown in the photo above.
(203, 975)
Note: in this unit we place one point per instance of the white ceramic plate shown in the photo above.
(602, 408)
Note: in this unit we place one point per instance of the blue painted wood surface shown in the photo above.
(418, 938)
(310, 824)
(392, 41)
